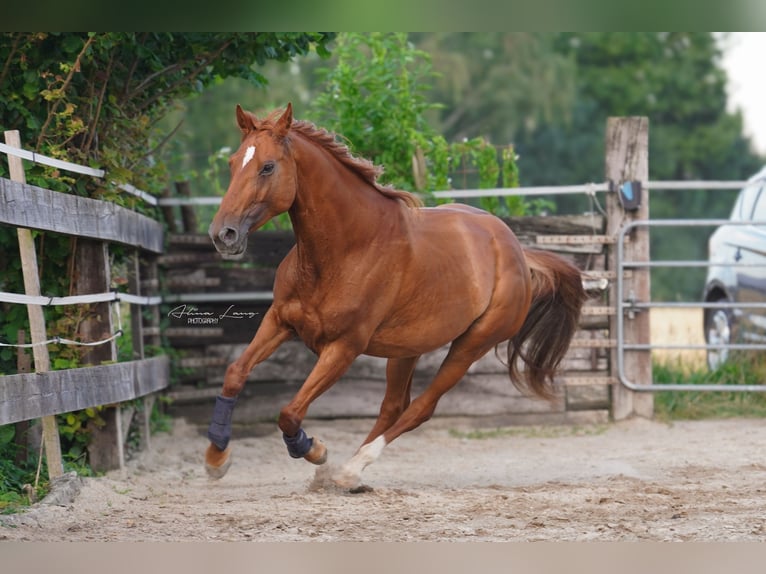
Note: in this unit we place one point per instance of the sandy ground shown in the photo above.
(633, 480)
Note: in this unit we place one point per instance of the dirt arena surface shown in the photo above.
(450, 480)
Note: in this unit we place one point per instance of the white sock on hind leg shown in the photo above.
(350, 473)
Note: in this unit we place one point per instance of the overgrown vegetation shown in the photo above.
(15, 475)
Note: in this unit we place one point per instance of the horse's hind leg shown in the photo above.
(269, 336)
(418, 411)
(484, 334)
(397, 398)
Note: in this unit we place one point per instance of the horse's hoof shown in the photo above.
(217, 462)
(318, 452)
(361, 489)
(345, 479)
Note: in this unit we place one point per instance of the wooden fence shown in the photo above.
(45, 393)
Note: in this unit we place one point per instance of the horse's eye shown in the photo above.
(267, 168)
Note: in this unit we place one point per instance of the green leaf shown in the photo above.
(7, 432)
(30, 90)
(60, 363)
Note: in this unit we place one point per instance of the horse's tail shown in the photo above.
(543, 340)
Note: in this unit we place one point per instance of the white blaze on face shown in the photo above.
(249, 153)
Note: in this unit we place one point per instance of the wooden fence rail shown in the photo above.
(23, 205)
(33, 395)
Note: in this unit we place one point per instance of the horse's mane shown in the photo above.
(364, 168)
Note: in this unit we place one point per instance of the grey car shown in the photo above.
(738, 274)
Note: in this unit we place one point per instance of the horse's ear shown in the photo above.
(285, 121)
(245, 120)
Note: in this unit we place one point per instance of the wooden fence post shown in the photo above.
(188, 215)
(627, 159)
(23, 365)
(92, 275)
(169, 213)
(137, 332)
(36, 317)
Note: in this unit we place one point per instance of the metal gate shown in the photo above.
(627, 306)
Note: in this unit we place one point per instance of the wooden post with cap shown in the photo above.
(627, 160)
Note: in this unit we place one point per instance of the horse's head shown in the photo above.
(263, 182)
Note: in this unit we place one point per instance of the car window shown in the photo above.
(736, 211)
(743, 210)
(759, 211)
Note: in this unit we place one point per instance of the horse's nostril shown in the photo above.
(228, 235)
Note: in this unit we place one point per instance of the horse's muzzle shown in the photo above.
(230, 242)
(229, 232)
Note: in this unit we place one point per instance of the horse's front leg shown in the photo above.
(269, 336)
(333, 361)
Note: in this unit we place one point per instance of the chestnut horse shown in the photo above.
(373, 272)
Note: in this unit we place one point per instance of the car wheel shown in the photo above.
(718, 331)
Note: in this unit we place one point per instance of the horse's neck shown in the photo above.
(335, 211)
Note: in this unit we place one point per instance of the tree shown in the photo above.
(497, 84)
